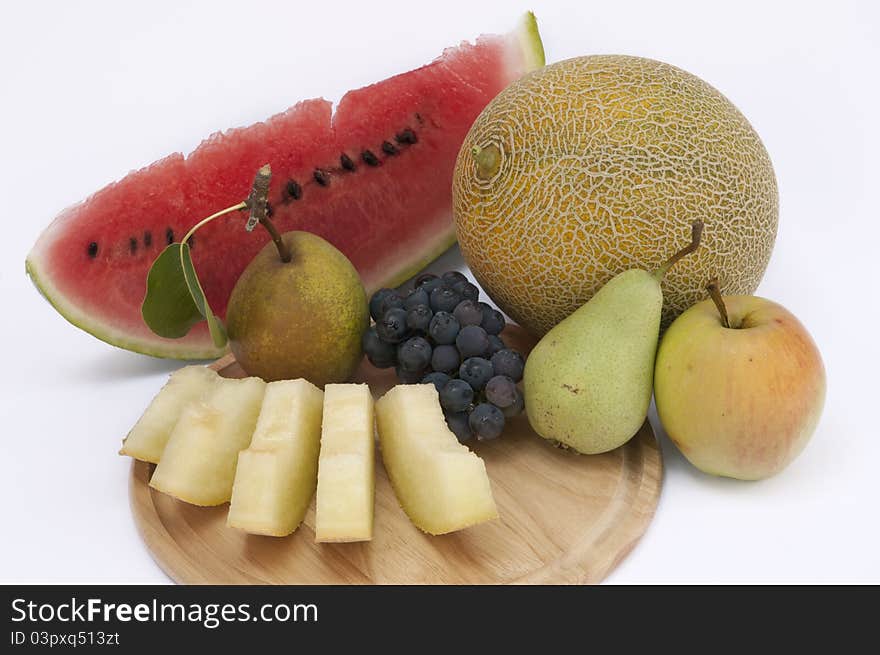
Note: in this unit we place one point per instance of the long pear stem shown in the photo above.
(258, 203)
(696, 235)
(715, 294)
(283, 250)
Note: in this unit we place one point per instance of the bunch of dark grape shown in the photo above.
(441, 334)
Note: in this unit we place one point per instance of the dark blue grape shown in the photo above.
(376, 301)
(419, 318)
(453, 277)
(510, 363)
(467, 290)
(414, 354)
(432, 283)
(486, 421)
(493, 322)
(443, 328)
(456, 396)
(444, 299)
(458, 424)
(501, 391)
(517, 407)
(391, 301)
(476, 371)
(472, 341)
(436, 378)
(468, 313)
(380, 354)
(392, 327)
(425, 277)
(409, 377)
(445, 358)
(495, 344)
(415, 298)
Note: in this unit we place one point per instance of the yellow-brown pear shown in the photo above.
(301, 318)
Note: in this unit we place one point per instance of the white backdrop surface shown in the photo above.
(94, 89)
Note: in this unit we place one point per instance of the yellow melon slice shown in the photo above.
(148, 437)
(198, 465)
(277, 474)
(346, 466)
(441, 485)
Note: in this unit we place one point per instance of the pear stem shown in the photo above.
(258, 202)
(715, 294)
(696, 235)
(283, 250)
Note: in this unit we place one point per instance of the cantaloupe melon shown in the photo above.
(276, 476)
(148, 437)
(594, 165)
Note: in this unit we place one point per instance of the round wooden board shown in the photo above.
(564, 519)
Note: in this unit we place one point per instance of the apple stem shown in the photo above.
(258, 202)
(715, 294)
(696, 235)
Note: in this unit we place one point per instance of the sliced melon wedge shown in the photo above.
(441, 485)
(276, 476)
(346, 465)
(198, 464)
(148, 437)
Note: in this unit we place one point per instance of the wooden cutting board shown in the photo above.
(564, 519)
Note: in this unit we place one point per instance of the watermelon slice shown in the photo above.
(374, 178)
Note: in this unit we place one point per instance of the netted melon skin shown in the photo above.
(605, 161)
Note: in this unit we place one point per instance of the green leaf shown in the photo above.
(197, 295)
(168, 308)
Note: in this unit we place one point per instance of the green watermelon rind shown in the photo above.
(532, 53)
(167, 350)
(530, 42)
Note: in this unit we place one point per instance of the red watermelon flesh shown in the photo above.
(374, 179)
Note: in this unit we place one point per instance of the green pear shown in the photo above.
(589, 380)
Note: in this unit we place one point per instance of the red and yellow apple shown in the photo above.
(742, 399)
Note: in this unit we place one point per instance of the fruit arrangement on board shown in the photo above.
(597, 201)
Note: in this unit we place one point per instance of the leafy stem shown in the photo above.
(184, 252)
(175, 299)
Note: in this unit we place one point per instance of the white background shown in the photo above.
(92, 90)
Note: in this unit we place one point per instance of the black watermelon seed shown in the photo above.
(406, 136)
(169, 236)
(148, 239)
(389, 148)
(369, 158)
(269, 210)
(321, 177)
(192, 241)
(133, 245)
(419, 119)
(346, 162)
(93, 249)
(294, 190)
